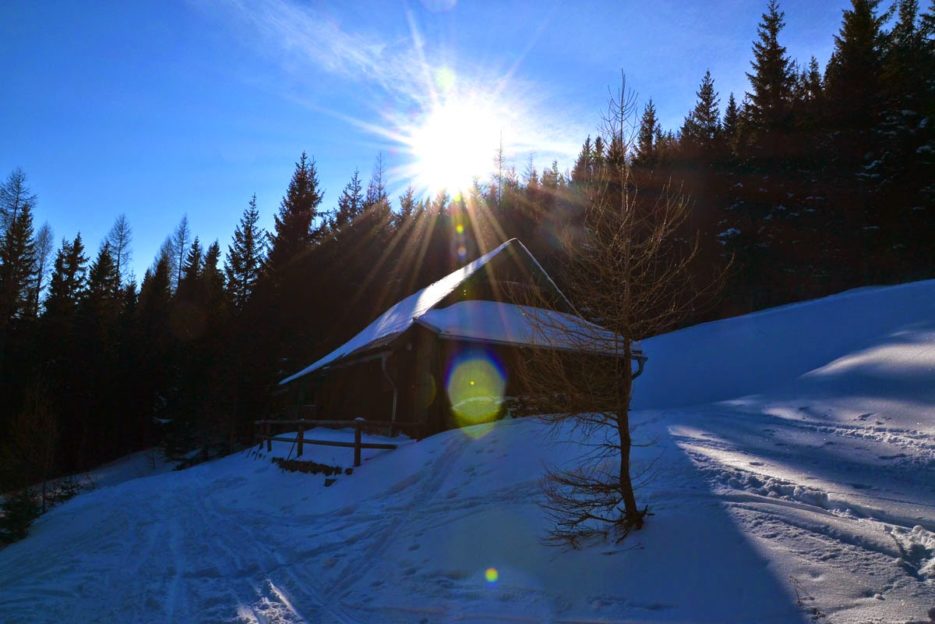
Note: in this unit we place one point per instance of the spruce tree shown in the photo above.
(103, 280)
(244, 256)
(646, 155)
(67, 283)
(773, 76)
(407, 206)
(904, 164)
(211, 276)
(192, 267)
(297, 213)
(809, 98)
(730, 126)
(17, 261)
(853, 81)
(581, 173)
(94, 403)
(155, 345)
(350, 203)
(701, 128)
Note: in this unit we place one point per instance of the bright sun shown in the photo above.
(454, 145)
(456, 138)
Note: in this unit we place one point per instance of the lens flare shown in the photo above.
(491, 575)
(475, 383)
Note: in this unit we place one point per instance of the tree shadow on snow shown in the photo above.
(692, 556)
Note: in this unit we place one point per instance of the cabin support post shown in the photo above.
(386, 374)
(300, 438)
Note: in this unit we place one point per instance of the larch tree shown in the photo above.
(14, 194)
(376, 188)
(627, 268)
(120, 238)
(43, 253)
(180, 241)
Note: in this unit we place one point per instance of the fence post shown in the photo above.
(357, 424)
(301, 438)
(269, 437)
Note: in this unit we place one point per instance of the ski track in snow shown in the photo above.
(845, 516)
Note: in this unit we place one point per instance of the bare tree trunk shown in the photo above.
(633, 519)
(632, 516)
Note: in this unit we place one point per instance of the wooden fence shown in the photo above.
(264, 432)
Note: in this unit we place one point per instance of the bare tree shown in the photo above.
(43, 251)
(181, 239)
(120, 237)
(14, 194)
(628, 269)
(167, 252)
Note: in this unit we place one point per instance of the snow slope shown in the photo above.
(791, 473)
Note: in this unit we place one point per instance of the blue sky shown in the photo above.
(157, 109)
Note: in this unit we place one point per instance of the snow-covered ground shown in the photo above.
(791, 478)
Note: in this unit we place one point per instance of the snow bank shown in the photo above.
(758, 352)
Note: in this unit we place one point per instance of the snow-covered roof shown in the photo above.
(402, 315)
(507, 323)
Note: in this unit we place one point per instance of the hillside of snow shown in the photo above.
(789, 466)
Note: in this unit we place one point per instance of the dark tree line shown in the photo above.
(815, 180)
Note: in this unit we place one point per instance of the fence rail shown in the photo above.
(264, 433)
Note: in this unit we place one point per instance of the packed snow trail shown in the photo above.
(805, 494)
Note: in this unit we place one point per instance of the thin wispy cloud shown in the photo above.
(517, 113)
(304, 37)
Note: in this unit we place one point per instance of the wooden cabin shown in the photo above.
(443, 356)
